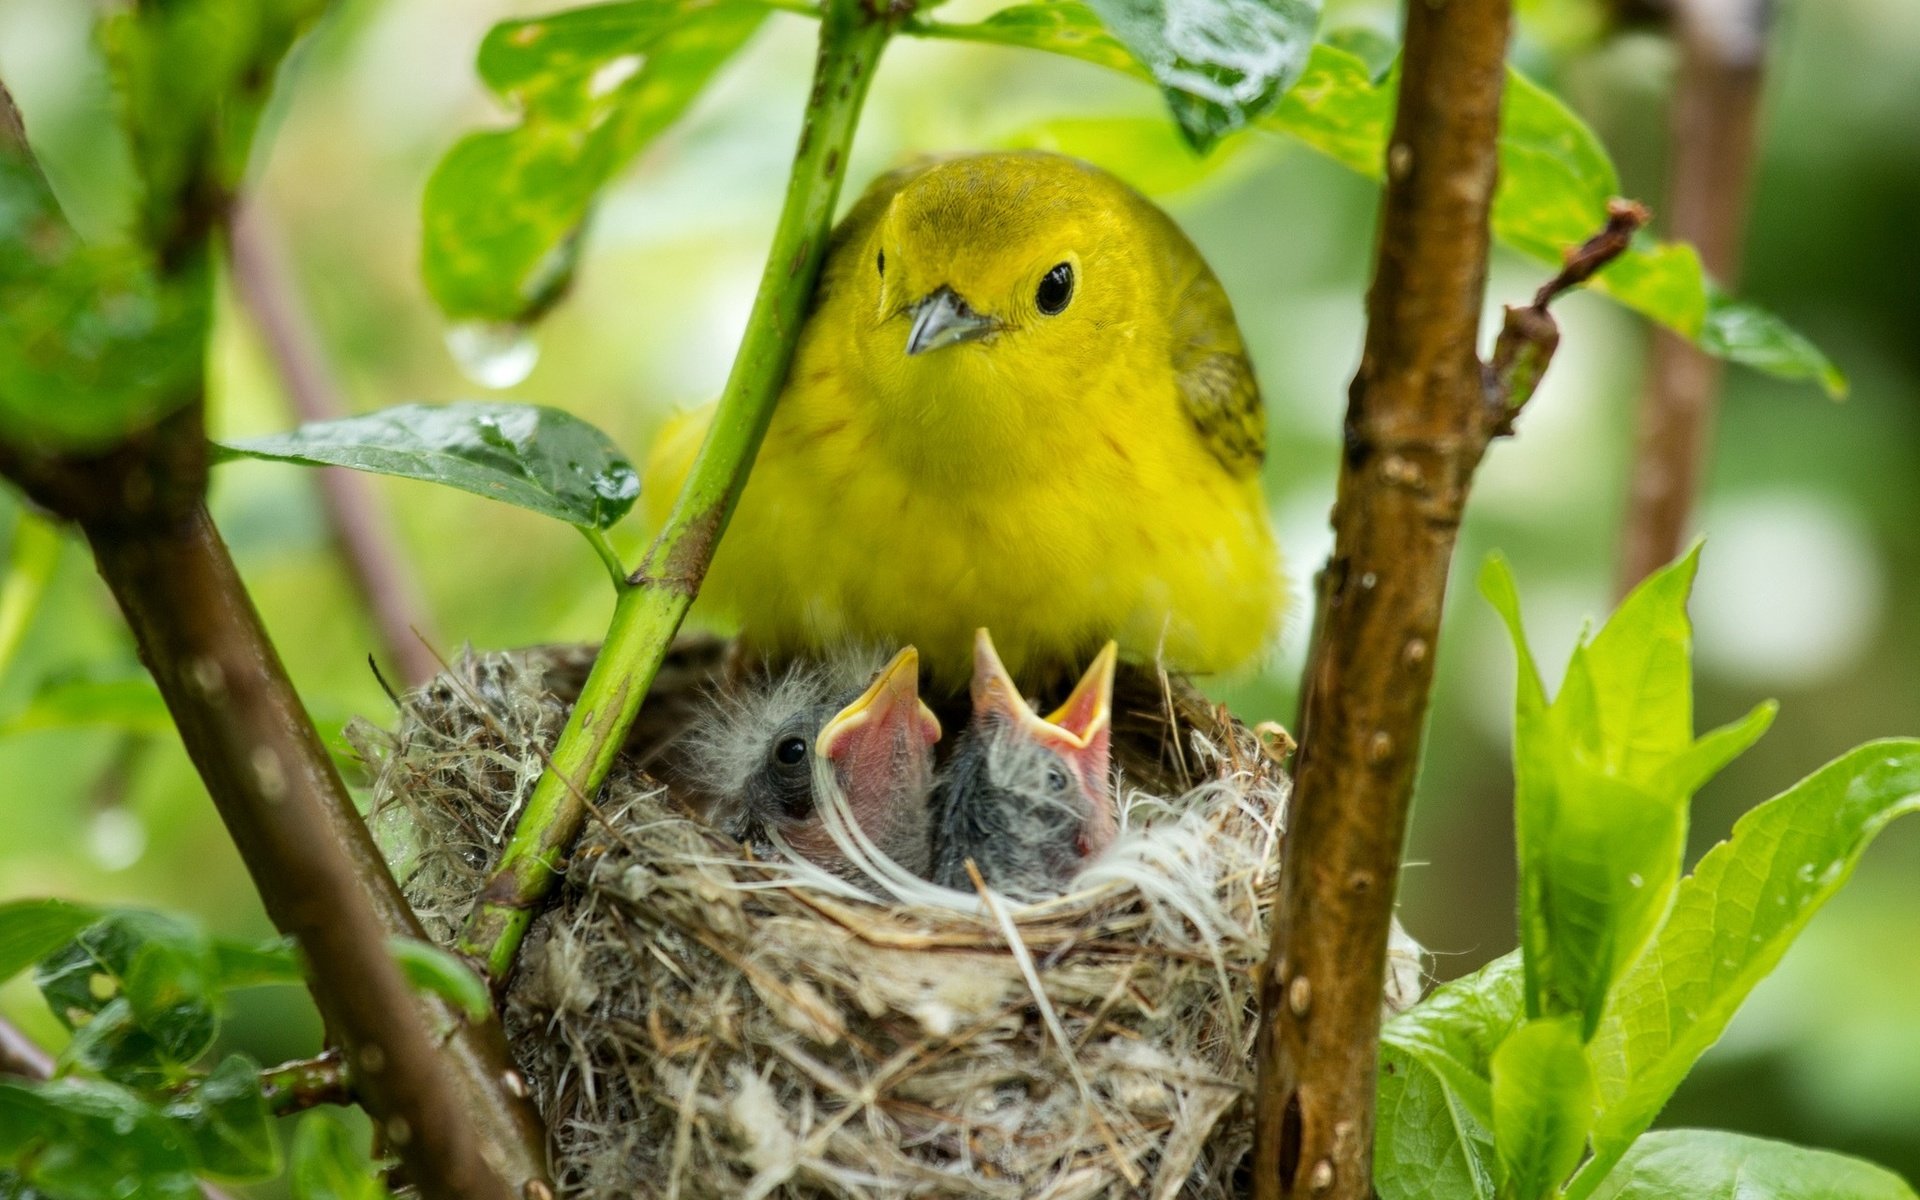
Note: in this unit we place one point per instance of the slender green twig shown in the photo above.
(649, 612)
(609, 557)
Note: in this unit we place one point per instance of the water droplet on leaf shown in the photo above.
(494, 354)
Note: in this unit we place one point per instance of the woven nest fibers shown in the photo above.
(696, 1023)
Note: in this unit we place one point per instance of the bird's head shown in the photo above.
(877, 752)
(1063, 757)
(1000, 284)
(773, 753)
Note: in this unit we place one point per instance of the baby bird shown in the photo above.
(1020, 400)
(772, 755)
(1027, 799)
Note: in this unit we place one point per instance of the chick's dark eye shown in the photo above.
(1058, 779)
(1056, 288)
(790, 751)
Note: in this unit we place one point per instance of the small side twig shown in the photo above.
(368, 548)
(1529, 334)
(1714, 122)
(306, 1083)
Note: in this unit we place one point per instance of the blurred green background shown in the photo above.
(1807, 592)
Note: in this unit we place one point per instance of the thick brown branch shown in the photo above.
(313, 862)
(1716, 106)
(441, 1087)
(1418, 421)
(368, 548)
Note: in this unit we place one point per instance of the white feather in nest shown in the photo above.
(700, 1023)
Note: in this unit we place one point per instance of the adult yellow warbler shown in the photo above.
(1020, 401)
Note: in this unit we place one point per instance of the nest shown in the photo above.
(698, 1023)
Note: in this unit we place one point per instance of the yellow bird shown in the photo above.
(1020, 400)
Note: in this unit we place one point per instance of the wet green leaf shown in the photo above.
(1702, 1165)
(1542, 1105)
(434, 970)
(32, 929)
(1603, 774)
(225, 1123)
(80, 1139)
(1555, 179)
(505, 208)
(536, 458)
(1221, 63)
(1732, 920)
(327, 1164)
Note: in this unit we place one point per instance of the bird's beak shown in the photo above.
(887, 724)
(944, 319)
(1079, 731)
(1074, 727)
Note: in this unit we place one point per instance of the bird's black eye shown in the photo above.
(790, 751)
(1057, 778)
(1056, 288)
(880, 262)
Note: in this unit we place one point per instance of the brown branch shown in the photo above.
(1420, 415)
(440, 1087)
(368, 548)
(1715, 115)
(21, 1055)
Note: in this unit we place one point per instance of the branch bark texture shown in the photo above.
(1420, 414)
(368, 548)
(1715, 115)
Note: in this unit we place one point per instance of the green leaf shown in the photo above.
(191, 130)
(226, 1125)
(32, 929)
(1427, 1144)
(504, 210)
(80, 1139)
(1435, 1090)
(536, 458)
(129, 703)
(434, 970)
(1555, 180)
(1221, 63)
(1732, 920)
(1542, 1105)
(1146, 152)
(327, 1165)
(1602, 777)
(137, 990)
(241, 965)
(1456, 1029)
(93, 344)
(1703, 1165)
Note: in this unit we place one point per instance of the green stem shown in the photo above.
(36, 552)
(609, 557)
(649, 612)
